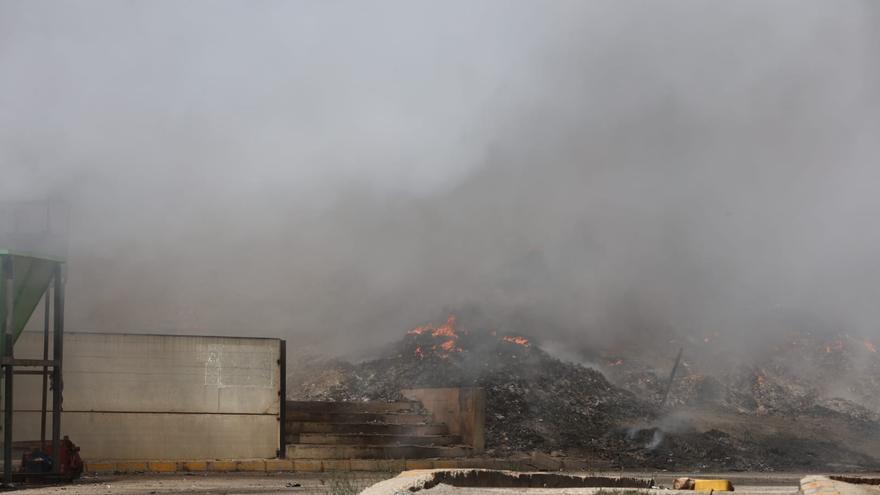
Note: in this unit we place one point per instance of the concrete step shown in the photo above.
(386, 418)
(300, 451)
(367, 439)
(354, 407)
(294, 427)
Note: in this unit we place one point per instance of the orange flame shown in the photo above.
(870, 346)
(419, 330)
(516, 340)
(616, 363)
(837, 345)
(447, 329)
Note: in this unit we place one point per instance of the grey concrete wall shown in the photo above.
(463, 409)
(130, 396)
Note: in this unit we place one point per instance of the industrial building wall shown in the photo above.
(129, 396)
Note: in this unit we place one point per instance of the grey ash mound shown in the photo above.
(534, 401)
(538, 402)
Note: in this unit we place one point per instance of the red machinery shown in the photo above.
(38, 463)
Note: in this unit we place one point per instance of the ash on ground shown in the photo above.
(765, 416)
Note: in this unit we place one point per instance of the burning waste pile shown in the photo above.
(739, 419)
(534, 401)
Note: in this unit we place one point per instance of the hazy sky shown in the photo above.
(334, 169)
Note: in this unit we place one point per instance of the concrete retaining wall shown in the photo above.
(462, 409)
(130, 396)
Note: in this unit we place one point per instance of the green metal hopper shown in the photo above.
(31, 277)
(24, 280)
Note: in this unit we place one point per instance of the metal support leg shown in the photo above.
(57, 356)
(8, 279)
(282, 412)
(7, 424)
(43, 404)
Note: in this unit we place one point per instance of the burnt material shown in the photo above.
(535, 402)
(480, 478)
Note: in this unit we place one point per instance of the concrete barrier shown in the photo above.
(462, 409)
(169, 397)
(413, 481)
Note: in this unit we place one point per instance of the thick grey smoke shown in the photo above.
(339, 171)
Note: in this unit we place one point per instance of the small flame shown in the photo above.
(837, 345)
(418, 330)
(447, 329)
(616, 363)
(517, 340)
(870, 346)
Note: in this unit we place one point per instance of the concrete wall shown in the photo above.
(462, 409)
(130, 396)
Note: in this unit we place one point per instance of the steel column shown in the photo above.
(282, 411)
(57, 355)
(9, 287)
(43, 404)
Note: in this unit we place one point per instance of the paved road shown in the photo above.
(216, 483)
(352, 483)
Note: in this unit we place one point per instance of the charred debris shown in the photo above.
(770, 414)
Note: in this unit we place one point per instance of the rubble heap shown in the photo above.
(533, 400)
(538, 402)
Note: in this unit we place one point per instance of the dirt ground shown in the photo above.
(450, 490)
(214, 483)
(339, 483)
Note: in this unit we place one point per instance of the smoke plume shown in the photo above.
(338, 172)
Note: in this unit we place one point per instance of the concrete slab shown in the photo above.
(827, 485)
(493, 480)
(745, 483)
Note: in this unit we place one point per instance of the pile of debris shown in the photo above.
(811, 375)
(808, 400)
(534, 401)
(538, 402)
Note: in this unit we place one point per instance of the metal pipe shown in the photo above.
(43, 404)
(57, 355)
(9, 288)
(672, 377)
